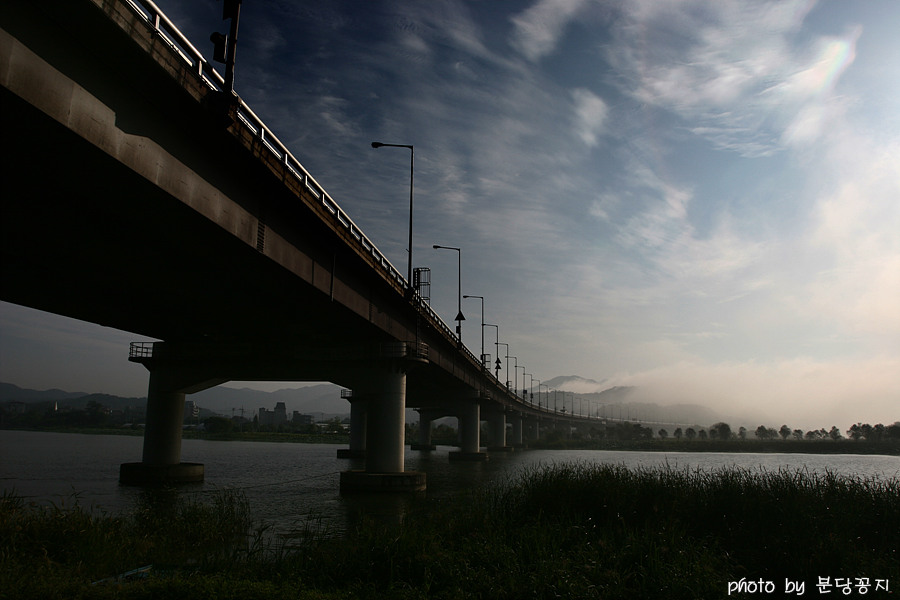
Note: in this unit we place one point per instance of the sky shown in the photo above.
(697, 198)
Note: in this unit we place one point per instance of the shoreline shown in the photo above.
(843, 446)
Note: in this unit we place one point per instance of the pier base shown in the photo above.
(361, 481)
(144, 474)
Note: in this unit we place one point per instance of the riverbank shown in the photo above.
(573, 531)
(842, 446)
(194, 434)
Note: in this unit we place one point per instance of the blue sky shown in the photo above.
(698, 198)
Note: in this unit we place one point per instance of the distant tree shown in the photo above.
(784, 432)
(218, 424)
(722, 431)
(835, 433)
(812, 435)
(762, 432)
(742, 432)
(855, 432)
(677, 433)
(689, 433)
(798, 434)
(893, 431)
(878, 432)
(867, 431)
(702, 434)
(663, 434)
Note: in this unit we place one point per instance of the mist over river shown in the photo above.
(289, 485)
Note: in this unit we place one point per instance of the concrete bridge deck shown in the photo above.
(140, 196)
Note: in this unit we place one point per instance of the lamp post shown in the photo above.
(507, 359)
(515, 374)
(497, 345)
(482, 327)
(459, 316)
(409, 267)
(523, 378)
(525, 390)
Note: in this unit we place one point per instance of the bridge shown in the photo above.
(139, 193)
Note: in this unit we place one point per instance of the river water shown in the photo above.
(290, 486)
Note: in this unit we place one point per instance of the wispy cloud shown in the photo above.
(539, 28)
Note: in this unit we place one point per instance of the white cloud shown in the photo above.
(540, 27)
(734, 70)
(590, 115)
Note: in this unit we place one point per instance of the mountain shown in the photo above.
(574, 383)
(316, 399)
(321, 398)
(13, 393)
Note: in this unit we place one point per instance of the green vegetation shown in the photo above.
(861, 439)
(572, 531)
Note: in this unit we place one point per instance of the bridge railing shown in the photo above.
(168, 32)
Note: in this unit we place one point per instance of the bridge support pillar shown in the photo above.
(358, 426)
(517, 434)
(498, 433)
(424, 442)
(385, 394)
(470, 433)
(161, 460)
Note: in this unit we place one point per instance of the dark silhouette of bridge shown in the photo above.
(140, 194)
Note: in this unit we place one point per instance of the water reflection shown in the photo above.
(294, 488)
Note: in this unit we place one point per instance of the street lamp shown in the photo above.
(482, 327)
(524, 389)
(523, 378)
(507, 359)
(459, 316)
(497, 344)
(409, 268)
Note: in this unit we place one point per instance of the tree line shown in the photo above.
(723, 431)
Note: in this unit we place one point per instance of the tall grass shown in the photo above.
(566, 531)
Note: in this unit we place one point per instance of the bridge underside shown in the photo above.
(127, 203)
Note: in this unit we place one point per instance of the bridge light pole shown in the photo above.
(515, 373)
(225, 46)
(523, 378)
(482, 328)
(497, 346)
(459, 315)
(507, 359)
(409, 267)
(524, 389)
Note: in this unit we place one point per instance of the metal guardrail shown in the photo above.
(168, 32)
(139, 350)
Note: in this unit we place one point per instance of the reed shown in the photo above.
(566, 530)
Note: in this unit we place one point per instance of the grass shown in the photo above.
(570, 531)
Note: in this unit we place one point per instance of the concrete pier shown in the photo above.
(358, 425)
(424, 442)
(161, 460)
(498, 433)
(470, 433)
(384, 389)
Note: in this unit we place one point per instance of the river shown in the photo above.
(292, 485)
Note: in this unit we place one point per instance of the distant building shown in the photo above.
(191, 410)
(301, 419)
(273, 418)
